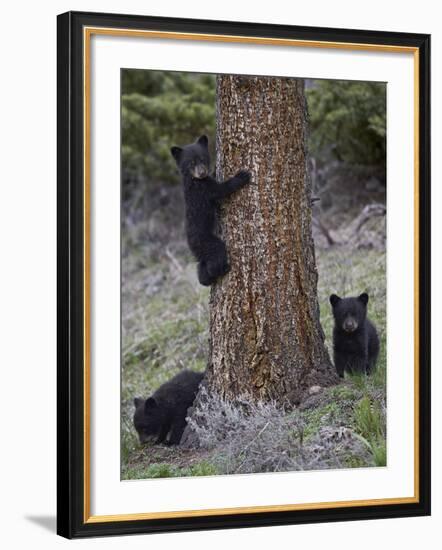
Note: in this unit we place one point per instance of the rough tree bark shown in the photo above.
(265, 336)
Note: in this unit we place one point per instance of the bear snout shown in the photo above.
(200, 172)
(350, 324)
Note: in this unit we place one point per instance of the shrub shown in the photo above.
(348, 120)
(258, 437)
(160, 109)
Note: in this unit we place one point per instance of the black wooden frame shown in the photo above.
(70, 290)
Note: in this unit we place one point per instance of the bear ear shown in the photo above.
(150, 404)
(363, 298)
(137, 401)
(176, 152)
(204, 141)
(334, 299)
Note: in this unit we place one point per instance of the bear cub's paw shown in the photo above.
(243, 177)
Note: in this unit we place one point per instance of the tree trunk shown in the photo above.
(265, 336)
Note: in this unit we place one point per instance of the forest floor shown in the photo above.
(165, 329)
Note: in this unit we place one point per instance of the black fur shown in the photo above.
(202, 193)
(355, 339)
(166, 410)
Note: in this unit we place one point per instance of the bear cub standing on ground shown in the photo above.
(166, 410)
(355, 339)
(202, 194)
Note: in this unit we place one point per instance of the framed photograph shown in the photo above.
(243, 274)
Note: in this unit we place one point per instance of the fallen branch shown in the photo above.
(320, 225)
(367, 213)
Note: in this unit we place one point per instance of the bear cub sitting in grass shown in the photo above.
(355, 339)
(166, 410)
(202, 193)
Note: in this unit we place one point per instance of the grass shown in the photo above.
(370, 423)
(165, 328)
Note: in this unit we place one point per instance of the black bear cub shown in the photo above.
(355, 339)
(166, 410)
(202, 193)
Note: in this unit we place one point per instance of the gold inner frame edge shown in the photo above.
(134, 33)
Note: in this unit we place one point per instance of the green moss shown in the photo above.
(203, 468)
(355, 462)
(343, 392)
(322, 416)
(164, 470)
